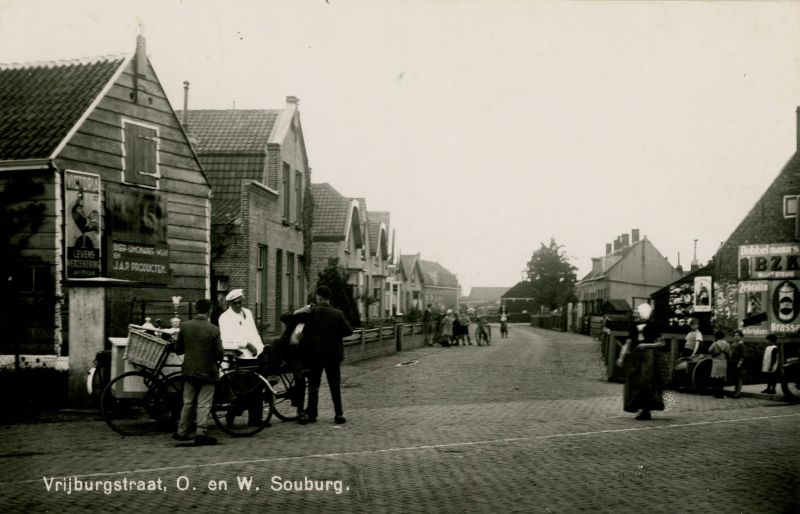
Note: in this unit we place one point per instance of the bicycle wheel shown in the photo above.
(239, 403)
(701, 376)
(282, 386)
(134, 403)
(790, 383)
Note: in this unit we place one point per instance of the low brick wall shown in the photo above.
(377, 342)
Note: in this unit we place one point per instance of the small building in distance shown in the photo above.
(519, 299)
(484, 297)
(423, 282)
(632, 269)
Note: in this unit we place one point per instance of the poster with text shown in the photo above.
(137, 243)
(753, 307)
(82, 230)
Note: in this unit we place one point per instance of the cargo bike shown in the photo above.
(149, 398)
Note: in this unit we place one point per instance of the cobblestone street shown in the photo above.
(527, 424)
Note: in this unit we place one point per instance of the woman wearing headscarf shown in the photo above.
(643, 391)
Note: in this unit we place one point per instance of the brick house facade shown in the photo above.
(759, 258)
(338, 234)
(257, 165)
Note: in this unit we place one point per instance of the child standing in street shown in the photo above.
(736, 364)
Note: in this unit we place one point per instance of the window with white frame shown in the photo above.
(790, 206)
(140, 154)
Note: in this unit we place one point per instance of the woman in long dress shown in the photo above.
(643, 390)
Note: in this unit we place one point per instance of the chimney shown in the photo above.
(608, 248)
(141, 54)
(616, 244)
(292, 100)
(625, 240)
(635, 235)
(139, 66)
(185, 117)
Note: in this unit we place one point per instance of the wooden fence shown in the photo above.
(382, 341)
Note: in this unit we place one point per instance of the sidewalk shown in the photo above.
(754, 391)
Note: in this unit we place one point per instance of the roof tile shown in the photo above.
(41, 102)
(231, 131)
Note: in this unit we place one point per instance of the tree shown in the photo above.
(335, 277)
(552, 276)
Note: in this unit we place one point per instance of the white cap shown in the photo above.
(236, 293)
(644, 310)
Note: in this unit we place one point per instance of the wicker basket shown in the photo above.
(145, 349)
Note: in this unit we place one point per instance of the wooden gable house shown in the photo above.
(94, 149)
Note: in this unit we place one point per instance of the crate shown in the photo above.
(145, 349)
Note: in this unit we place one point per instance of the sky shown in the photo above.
(486, 128)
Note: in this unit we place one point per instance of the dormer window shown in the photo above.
(140, 154)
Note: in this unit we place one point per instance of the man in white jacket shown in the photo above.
(238, 331)
(238, 327)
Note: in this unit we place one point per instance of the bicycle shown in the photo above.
(244, 392)
(139, 401)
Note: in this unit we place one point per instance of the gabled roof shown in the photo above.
(333, 215)
(434, 274)
(330, 212)
(765, 222)
(486, 294)
(41, 103)
(522, 289)
(376, 221)
(232, 131)
(614, 258)
(407, 263)
(362, 209)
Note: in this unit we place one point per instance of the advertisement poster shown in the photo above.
(752, 307)
(137, 243)
(769, 306)
(82, 231)
(784, 306)
(769, 261)
(702, 294)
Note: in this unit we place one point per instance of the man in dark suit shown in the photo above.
(200, 344)
(323, 333)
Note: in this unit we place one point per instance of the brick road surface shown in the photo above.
(525, 425)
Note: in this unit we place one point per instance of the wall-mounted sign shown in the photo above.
(82, 232)
(769, 306)
(701, 298)
(779, 260)
(137, 244)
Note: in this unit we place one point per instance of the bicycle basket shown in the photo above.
(144, 349)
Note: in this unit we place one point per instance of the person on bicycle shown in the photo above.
(238, 329)
(292, 351)
(200, 343)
